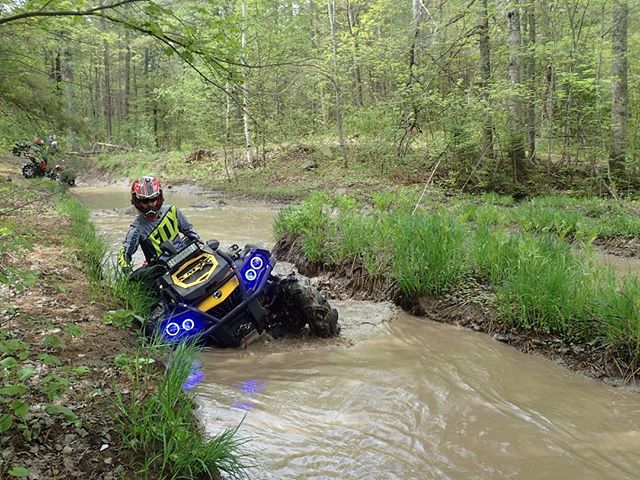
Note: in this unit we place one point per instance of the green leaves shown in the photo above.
(6, 421)
(74, 330)
(19, 408)
(52, 341)
(13, 390)
(59, 409)
(19, 472)
(121, 318)
(26, 373)
(14, 346)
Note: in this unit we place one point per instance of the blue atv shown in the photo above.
(230, 298)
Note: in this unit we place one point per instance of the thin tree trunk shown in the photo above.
(410, 114)
(516, 142)
(598, 80)
(248, 137)
(108, 108)
(531, 74)
(331, 4)
(619, 106)
(127, 76)
(485, 75)
(68, 78)
(352, 13)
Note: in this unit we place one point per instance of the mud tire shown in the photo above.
(300, 304)
(29, 170)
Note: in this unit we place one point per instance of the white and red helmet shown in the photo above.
(146, 196)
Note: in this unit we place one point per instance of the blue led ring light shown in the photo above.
(256, 262)
(172, 329)
(188, 324)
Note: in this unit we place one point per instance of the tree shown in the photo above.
(515, 137)
(485, 78)
(619, 104)
(331, 12)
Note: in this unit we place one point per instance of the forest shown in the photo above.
(521, 115)
(496, 89)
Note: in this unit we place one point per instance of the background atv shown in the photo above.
(37, 164)
(229, 298)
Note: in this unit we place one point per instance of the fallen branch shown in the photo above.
(111, 145)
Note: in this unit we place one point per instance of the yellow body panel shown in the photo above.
(223, 293)
(181, 277)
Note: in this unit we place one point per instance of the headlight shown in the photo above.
(172, 329)
(187, 324)
(250, 275)
(256, 263)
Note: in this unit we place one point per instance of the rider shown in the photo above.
(38, 155)
(156, 223)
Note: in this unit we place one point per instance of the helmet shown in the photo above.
(146, 196)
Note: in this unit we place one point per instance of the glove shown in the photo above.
(123, 263)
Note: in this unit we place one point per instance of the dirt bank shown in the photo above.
(472, 305)
(61, 409)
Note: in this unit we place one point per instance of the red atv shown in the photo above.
(37, 166)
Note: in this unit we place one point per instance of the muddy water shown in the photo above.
(399, 397)
(621, 266)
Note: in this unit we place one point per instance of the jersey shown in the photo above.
(149, 234)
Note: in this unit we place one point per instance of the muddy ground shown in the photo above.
(72, 352)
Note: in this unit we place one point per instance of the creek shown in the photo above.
(398, 397)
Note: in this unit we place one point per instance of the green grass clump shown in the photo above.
(542, 285)
(365, 239)
(428, 253)
(90, 248)
(160, 426)
(618, 316)
(311, 221)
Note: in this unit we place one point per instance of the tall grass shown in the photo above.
(618, 314)
(541, 282)
(90, 248)
(160, 426)
(428, 253)
(311, 222)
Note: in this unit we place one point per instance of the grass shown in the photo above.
(542, 283)
(159, 424)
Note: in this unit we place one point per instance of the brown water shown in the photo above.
(621, 266)
(399, 397)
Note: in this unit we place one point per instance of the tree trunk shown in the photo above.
(108, 108)
(331, 4)
(69, 92)
(619, 105)
(248, 137)
(515, 142)
(352, 13)
(127, 77)
(531, 74)
(485, 76)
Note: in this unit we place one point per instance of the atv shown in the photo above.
(37, 165)
(38, 168)
(230, 298)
